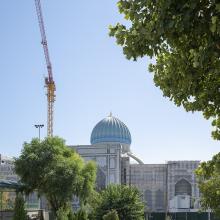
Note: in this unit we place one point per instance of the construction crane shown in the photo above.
(49, 82)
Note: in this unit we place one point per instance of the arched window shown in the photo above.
(148, 198)
(183, 187)
(100, 179)
(159, 199)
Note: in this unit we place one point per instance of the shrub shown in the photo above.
(19, 209)
(111, 215)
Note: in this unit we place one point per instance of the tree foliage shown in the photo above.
(55, 171)
(62, 213)
(111, 215)
(183, 36)
(81, 214)
(19, 209)
(208, 174)
(125, 200)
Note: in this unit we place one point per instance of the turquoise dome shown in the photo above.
(110, 129)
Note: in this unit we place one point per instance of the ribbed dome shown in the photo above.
(110, 129)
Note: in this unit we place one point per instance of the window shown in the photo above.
(112, 178)
(101, 161)
(100, 178)
(148, 198)
(112, 162)
(183, 187)
(159, 199)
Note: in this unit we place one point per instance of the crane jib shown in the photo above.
(49, 82)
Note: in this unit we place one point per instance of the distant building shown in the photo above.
(108, 157)
(7, 173)
(164, 187)
(168, 187)
(6, 168)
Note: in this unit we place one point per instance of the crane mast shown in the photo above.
(49, 82)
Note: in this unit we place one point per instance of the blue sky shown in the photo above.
(92, 78)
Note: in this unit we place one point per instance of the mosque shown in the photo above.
(169, 187)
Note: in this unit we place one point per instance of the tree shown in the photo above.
(62, 214)
(208, 175)
(55, 171)
(81, 214)
(111, 215)
(19, 209)
(125, 200)
(183, 36)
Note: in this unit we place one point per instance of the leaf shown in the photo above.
(195, 64)
(55, 170)
(217, 6)
(214, 19)
(213, 28)
(183, 37)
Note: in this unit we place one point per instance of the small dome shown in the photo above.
(110, 129)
